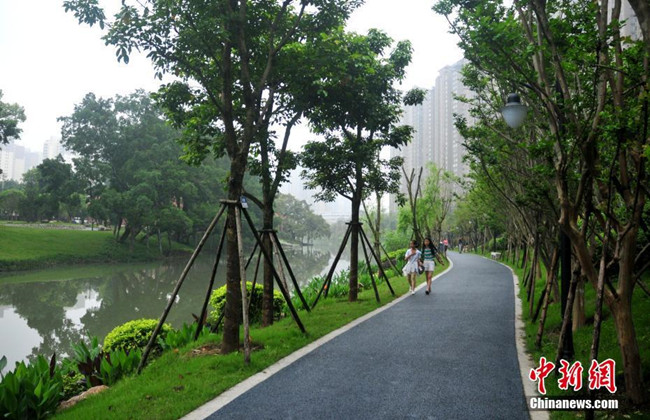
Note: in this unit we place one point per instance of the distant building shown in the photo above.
(436, 138)
(448, 143)
(15, 160)
(631, 27)
(52, 148)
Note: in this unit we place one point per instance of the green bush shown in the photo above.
(73, 384)
(218, 303)
(134, 335)
(31, 391)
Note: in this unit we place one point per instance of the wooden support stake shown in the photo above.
(257, 269)
(285, 292)
(252, 255)
(381, 269)
(204, 308)
(291, 275)
(172, 298)
(328, 279)
(372, 276)
(244, 299)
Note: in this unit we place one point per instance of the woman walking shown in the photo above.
(430, 254)
(412, 258)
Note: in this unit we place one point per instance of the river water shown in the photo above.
(42, 312)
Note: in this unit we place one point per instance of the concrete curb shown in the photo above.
(227, 396)
(525, 361)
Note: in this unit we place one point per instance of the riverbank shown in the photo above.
(27, 248)
(180, 381)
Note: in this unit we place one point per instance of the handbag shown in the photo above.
(420, 269)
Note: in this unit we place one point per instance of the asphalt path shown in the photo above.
(448, 355)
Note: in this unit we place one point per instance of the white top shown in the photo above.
(412, 262)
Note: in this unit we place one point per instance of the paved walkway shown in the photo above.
(449, 355)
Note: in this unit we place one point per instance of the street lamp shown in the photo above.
(514, 112)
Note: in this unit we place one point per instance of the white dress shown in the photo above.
(412, 263)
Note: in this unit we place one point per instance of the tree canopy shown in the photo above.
(357, 111)
(11, 115)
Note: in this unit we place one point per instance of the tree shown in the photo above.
(31, 207)
(586, 86)
(224, 54)
(11, 115)
(357, 112)
(10, 203)
(129, 163)
(437, 199)
(297, 221)
(58, 186)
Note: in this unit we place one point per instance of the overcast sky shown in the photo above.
(49, 62)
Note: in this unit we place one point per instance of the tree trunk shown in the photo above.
(551, 275)
(624, 322)
(377, 230)
(232, 310)
(267, 297)
(132, 241)
(629, 351)
(533, 277)
(160, 248)
(354, 248)
(579, 317)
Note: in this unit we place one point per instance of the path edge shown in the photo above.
(524, 358)
(230, 394)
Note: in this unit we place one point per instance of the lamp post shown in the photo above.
(514, 114)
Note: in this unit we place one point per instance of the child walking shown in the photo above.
(412, 258)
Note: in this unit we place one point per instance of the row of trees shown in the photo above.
(579, 166)
(128, 172)
(244, 69)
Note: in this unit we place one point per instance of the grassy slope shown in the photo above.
(582, 343)
(177, 383)
(27, 248)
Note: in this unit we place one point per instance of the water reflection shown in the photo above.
(48, 311)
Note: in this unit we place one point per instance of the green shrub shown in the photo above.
(31, 391)
(134, 335)
(73, 384)
(218, 303)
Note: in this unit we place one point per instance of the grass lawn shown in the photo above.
(582, 345)
(178, 382)
(28, 248)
